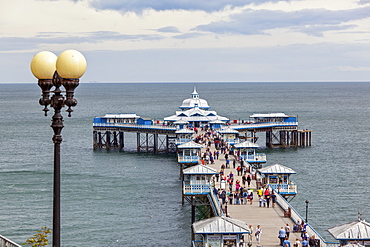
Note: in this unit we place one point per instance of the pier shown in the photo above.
(200, 173)
(159, 138)
(270, 219)
(160, 135)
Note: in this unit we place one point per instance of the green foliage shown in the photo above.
(39, 239)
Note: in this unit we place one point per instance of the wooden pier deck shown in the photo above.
(270, 219)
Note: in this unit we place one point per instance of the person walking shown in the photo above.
(249, 180)
(312, 241)
(257, 233)
(297, 243)
(251, 197)
(244, 180)
(281, 235)
(287, 230)
(268, 201)
(304, 243)
(273, 198)
(286, 242)
(223, 196)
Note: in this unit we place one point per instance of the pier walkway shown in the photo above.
(270, 219)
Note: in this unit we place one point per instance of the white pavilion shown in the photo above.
(195, 111)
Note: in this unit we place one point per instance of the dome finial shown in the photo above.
(195, 94)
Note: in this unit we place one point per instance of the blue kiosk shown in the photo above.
(220, 231)
(247, 152)
(230, 136)
(277, 178)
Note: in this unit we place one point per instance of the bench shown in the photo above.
(288, 212)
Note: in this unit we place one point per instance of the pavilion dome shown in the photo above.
(194, 101)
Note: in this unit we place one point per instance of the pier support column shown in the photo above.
(121, 140)
(155, 144)
(100, 144)
(269, 139)
(115, 139)
(138, 142)
(95, 139)
(147, 142)
(107, 140)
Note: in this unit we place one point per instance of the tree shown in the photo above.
(39, 239)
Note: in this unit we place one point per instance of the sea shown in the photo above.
(124, 198)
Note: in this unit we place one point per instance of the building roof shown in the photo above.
(199, 169)
(228, 130)
(220, 225)
(184, 131)
(121, 115)
(276, 169)
(246, 144)
(190, 144)
(217, 121)
(194, 101)
(268, 115)
(181, 121)
(196, 115)
(357, 230)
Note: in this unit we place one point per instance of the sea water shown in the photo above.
(111, 198)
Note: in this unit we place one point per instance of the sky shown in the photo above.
(191, 40)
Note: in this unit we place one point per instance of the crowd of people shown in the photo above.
(236, 188)
(304, 241)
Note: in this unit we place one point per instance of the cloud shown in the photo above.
(364, 1)
(169, 29)
(21, 43)
(310, 21)
(353, 69)
(188, 35)
(161, 5)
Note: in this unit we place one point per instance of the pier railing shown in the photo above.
(296, 217)
(4, 242)
(197, 243)
(231, 141)
(290, 188)
(254, 158)
(195, 189)
(135, 126)
(263, 125)
(187, 158)
(215, 203)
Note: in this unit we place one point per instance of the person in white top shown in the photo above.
(257, 233)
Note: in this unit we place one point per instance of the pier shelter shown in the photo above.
(216, 124)
(356, 232)
(277, 178)
(120, 118)
(219, 232)
(189, 153)
(181, 124)
(197, 180)
(184, 135)
(230, 136)
(272, 117)
(198, 191)
(281, 130)
(247, 152)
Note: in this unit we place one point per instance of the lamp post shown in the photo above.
(52, 71)
(307, 210)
